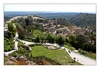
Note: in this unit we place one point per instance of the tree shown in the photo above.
(30, 28)
(89, 47)
(37, 26)
(11, 29)
(21, 33)
(86, 46)
(80, 40)
(37, 33)
(49, 37)
(20, 30)
(72, 39)
(60, 40)
(92, 36)
(27, 21)
(42, 38)
(19, 26)
(37, 39)
(54, 18)
(94, 39)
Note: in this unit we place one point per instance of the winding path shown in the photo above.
(26, 42)
(15, 49)
(82, 59)
(15, 45)
(79, 58)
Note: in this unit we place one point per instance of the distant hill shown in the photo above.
(78, 19)
(84, 19)
(47, 15)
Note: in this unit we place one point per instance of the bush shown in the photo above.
(14, 54)
(82, 52)
(89, 47)
(8, 44)
(11, 27)
(20, 43)
(65, 43)
(37, 39)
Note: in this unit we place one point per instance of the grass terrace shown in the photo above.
(60, 56)
(70, 47)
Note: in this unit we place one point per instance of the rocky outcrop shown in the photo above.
(20, 60)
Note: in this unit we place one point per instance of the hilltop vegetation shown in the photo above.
(84, 20)
(78, 19)
(42, 29)
(63, 31)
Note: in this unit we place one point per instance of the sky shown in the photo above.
(90, 8)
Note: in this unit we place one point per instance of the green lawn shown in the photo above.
(60, 56)
(69, 47)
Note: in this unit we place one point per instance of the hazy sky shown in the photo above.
(91, 8)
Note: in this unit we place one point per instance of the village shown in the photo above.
(32, 25)
(52, 26)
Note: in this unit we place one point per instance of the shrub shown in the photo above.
(8, 44)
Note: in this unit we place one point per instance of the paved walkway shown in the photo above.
(15, 46)
(80, 58)
(26, 42)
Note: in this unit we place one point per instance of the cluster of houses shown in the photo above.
(57, 29)
(50, 26)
